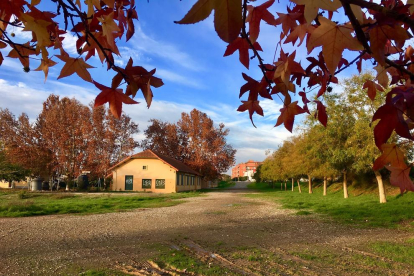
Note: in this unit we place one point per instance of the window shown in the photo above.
(159, 183)
(182, 180)
(146, 183)
(145, 167)
(178, 180)
(192, 181)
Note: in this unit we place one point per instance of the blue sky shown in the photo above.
(189, 59)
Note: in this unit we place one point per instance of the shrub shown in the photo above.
(23, 195)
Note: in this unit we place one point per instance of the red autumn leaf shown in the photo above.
(321, 113)
(400, 177)
(252, 106)
(380, 34)
(288, 21)
(391, 155)
(305, 101)
(115, 97)
(228, 19)
(255, 88)
(391, 118)
(287, 115)
(243, 46)
(256, 15)
(372, 88)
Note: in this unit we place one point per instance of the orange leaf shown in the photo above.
(312, 7)
(115, 97)
(299, 32)
(227, 16)
(334, 39)
(287, 115)
(372, 88)
(44, 66)
(391, 155)
(75, 65)
(400, 177)
(25, 51)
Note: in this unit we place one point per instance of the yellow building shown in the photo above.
(152, 172)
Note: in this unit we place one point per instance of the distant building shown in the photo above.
(153, 172)
(245, 169)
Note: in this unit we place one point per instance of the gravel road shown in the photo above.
(56, 245)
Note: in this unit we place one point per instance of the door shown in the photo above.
(129, 182)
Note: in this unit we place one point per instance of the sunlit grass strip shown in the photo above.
(37, 204)
(363, 210)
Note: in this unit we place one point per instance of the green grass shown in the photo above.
(402, 253)
(178, 259)
(363, 210)
(36, 204)
(225, 184)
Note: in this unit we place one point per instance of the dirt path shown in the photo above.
(249, 236)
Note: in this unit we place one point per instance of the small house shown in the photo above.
(153, 172)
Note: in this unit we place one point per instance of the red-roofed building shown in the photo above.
(153, 172)
(245, 169)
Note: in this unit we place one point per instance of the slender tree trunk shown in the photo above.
(285, 185)
(381, 190)
(310, 184)
(345, 185)
(300, 191)
(293, 183)
(325, 184)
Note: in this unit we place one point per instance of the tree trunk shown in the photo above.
(285, 186)
(325, 184)
(300, 191)
(281, 185)
(310, 184)
(293, 184)
(345, 186)
(381, 190)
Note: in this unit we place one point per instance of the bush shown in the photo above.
(83, 182)
(23, 195)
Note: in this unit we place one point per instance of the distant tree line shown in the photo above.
(345, 149)
(66, 138)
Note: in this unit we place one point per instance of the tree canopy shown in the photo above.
(193, 140)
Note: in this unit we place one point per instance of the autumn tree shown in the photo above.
(337, 35)
(195, 141)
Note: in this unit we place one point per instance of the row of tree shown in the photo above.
(344, 149)
(193, 140)
(68, 137)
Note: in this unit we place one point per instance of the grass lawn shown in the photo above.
(23, 204)
(362, 210)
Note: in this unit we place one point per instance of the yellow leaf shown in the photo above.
(312, 7)
(39, 27)
(334, 39)
(228, 19)
(91, 4)
(382, 75)
(35, 2)
(109, 27)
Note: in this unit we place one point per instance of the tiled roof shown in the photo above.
(181, 167)
(149, 154)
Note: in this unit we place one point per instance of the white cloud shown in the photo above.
(166, 51)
